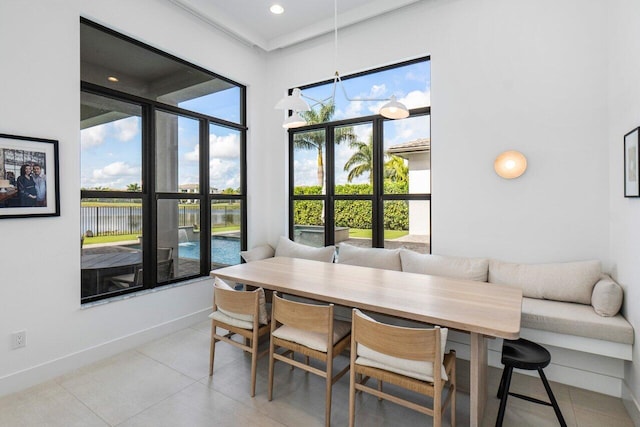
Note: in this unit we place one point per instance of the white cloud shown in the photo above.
(117, 169)
(224, 147)
(305, 171)
(416, 99)
(127, 129)
(193, 155)
(92, 136)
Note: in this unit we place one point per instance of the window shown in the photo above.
(162, 167)
(357, 177)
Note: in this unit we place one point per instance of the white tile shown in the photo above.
(199, 405)
(186, 351)
(46, 404)
(124, 385)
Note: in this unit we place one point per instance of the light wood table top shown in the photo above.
(484, 308)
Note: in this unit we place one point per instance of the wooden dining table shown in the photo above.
(481, 309)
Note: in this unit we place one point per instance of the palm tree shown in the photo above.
(133, 187)
(316, 139)
(361, 161)
(396, 170)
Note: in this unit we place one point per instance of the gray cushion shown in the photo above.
(438, 265)
(607, 297)
(258, 253)
(570, 281)
(287, 248)
(387, 259)
(574, 319)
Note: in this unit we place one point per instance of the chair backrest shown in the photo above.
(137, 277)
(405, 343)
(165, 254)
(309, 317)
(164, 270)
(240, 302)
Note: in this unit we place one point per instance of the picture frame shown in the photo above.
(29, 177)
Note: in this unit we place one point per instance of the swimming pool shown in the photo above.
(224, 250)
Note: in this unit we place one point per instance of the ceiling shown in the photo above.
(251, 22)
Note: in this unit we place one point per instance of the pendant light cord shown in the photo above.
(335, 35)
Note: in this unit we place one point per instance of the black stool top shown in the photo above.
(524, 354)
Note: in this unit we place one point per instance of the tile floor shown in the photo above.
(166, 383)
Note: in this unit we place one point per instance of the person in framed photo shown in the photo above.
(26, 187)
(41, 185)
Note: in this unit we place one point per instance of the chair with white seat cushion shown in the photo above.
(241, 313)
(410, 358)
(310, 330)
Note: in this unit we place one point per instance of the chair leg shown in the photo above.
(352, 396)
(212, 349)
(379, 389)
(254, 365)
(453, 390)
(329, 385)
(501, 387)
(505, 395)
(271, 363)
(552, 399)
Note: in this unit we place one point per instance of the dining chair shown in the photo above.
(242, 313)
(410, 358)
(164, 272)
(310, 330)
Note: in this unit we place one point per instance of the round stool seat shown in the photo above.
(524, 354)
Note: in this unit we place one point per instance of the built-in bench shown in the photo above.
(570, 308)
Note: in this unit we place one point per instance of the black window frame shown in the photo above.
(149, 196)
(378, 197)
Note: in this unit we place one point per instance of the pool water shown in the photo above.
(224, 250)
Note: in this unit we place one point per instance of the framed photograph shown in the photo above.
(29, 178)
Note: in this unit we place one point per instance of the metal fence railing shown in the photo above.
(121, 220)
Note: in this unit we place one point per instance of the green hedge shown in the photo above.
(353, 213)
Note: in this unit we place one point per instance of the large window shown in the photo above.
(357, 177)
(162, 167)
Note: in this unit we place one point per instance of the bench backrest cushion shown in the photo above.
(447, 266)
(287, 248)
(258, 253)
(387, 259)
(569, 281)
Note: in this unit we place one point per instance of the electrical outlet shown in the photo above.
(19, 339)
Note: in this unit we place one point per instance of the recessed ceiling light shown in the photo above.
(113, 79)
(276, 9)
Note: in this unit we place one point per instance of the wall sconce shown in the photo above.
(510, 164)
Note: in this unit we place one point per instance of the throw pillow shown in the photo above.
(287, 248)
(447, 266)
(607, 297)
(387, 259)
(258, 253)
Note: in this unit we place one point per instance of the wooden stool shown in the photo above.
(524, 354)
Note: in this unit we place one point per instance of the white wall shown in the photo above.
(505, 75)
(40, 258)
(624, 115)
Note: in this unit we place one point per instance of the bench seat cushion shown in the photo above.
(574, 319)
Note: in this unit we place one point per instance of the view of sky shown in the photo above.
(411, 86)
(111, 152)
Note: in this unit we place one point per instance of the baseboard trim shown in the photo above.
(37, 374)
(631, 404)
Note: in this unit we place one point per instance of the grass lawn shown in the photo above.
(366, 233)
(110, 239)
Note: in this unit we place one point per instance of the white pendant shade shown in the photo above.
(293, 102)
(294, 121)
(510, 164)
(394, 109)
